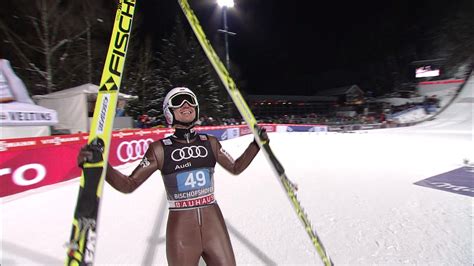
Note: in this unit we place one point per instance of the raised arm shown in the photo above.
(152, 161)
(225, 160)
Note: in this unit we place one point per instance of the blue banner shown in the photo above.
(459, 181)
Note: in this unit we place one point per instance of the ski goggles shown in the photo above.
(179, 99)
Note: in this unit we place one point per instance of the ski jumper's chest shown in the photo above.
(188, 170)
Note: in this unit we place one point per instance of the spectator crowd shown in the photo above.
(378, 114)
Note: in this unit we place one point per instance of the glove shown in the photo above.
(91, 153)
(262, 134)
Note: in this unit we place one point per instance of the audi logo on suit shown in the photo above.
(186, 153)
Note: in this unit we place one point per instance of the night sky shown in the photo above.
(299, 47)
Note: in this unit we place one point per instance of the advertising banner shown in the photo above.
(29, 163)
(25, 170)
(301, 128)
(457, 181)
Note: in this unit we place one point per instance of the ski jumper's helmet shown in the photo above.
(175, 99)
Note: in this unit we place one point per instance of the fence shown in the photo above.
(30, 163)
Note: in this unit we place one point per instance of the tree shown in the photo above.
(183, 63)
(454, 39)
(96, 37)
(47, 40)
(141, 80)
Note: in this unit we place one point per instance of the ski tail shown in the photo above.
(249, 118)
(81, 247)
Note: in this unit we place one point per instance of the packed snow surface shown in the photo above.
(357, 189)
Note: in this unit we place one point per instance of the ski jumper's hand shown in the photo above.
(262, 134)
(91, 153)
(84, 156)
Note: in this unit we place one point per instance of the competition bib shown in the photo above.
(194, 188)
(193, 180)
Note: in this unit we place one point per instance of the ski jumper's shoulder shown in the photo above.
(205, 137)
(156, 145)
(155, 152)
(212, 139)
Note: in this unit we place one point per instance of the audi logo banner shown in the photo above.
(38, 166)
(129, 150)
(30, 163)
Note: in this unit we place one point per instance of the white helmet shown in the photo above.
(175, 99)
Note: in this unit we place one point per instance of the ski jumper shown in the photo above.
(195, 227)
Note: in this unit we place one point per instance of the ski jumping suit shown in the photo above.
(195, 225)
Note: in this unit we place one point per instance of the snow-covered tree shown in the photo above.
(141, 79)
(182, 62)
(54, 44)
(454, 39)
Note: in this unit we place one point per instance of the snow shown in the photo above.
(357, 189)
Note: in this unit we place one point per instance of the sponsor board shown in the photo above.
(33, 117)
(301, 128)
(245, 131)
(129, 150)
(30, 163)
(459, 181)
(232, 133)
(24, 170)
(218, 133)
(306, 128)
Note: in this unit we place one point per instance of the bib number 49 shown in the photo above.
(193, 180)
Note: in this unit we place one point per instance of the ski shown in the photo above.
(249, 118)
(81, 246)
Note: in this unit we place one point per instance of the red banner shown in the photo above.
(24, 170)
(449, 81)
(30, 163)
(35, 162)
